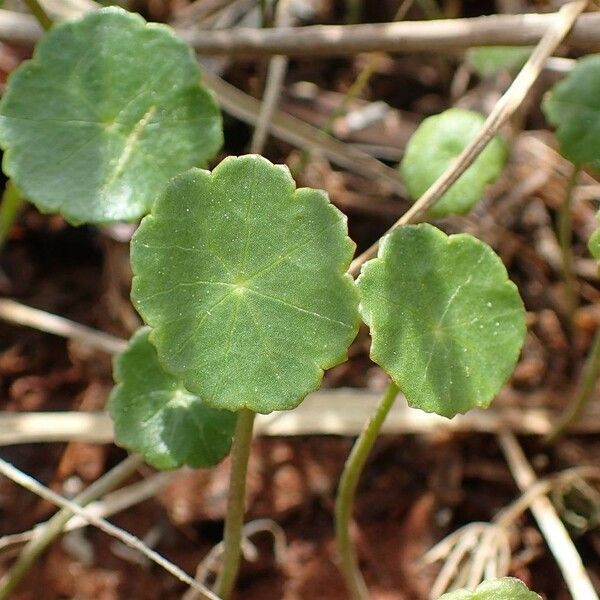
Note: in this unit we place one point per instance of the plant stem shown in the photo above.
(565, 236)
(56, 524)
(587, 385)
(12, 202)
(38, 11)
(346, 491)
(234, 520)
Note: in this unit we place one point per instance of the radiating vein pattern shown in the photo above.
(446, 323)
(243, 279)
(93, 128)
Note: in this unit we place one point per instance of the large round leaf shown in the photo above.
(573, 107)
(157, 417)
(435, 145)
(446, 323)
(109, 109)
(507, 588)
(244, 281)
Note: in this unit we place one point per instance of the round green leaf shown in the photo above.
(106, 112)
(435, 145)
(507, 588)
(573, 107)
(489, 60)
(446, 323)
(157, 417)
(243, 279)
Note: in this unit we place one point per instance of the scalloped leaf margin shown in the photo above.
(155, 416)
(243, 279)
(106, 112)
(446, 322)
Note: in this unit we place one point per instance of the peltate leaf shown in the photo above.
(106, 112)
(435, 145)
(489, 60)
(243, 279)
(507, 588)
(446, 323)
(157, 417)
(573, 107)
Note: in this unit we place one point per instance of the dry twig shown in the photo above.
(123, 536)
(409, 36)
(557, 537)
(20, 314)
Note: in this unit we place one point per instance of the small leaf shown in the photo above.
(157, 417)
(574, 109)
(446, 323)
(594, 244)
(489, 60)
(243, 279)
(435, 145)
(507, 588)
(109, 109)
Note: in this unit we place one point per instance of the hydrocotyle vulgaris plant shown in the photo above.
(572, 107)
(447, 326)
(93, 129)
(243, 279)
(241, 276)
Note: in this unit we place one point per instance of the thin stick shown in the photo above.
(275, 78)
(38, 11)
(20, 314)
(326, 412)
(346, 492)
(409, 36)
(300, 134)
(54, 527)
(549, 522)
(12, 203)
(331, 40)
(355, 89)
(110, 504)
(125, 537)
(587, 386)
(502, 111)
(234, 519)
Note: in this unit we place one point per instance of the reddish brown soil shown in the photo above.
(415, 490)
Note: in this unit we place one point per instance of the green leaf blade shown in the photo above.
(435, 145)
(594, 244)
(155, 416)
(490, 60)
(446, 323)
(573, 108)
(243, 279)
(506, 588)
(92, 128)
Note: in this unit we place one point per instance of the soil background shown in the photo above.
(416, 489)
